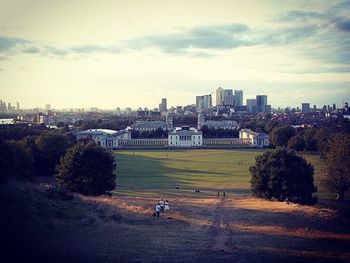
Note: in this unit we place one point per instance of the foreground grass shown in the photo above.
(40, 227)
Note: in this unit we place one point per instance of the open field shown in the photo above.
(207, 170)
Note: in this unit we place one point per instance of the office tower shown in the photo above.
(47, 107)
(198, 101)
(261, 102)
(163, 105)
(203, 102)
(219, 96)
(17, 108)
(229, 99)
(305, 107)
(334, 106)
(239, 97)
(251, 105)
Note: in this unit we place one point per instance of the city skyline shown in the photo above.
(116, 54)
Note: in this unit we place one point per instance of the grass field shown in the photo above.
(216, 170)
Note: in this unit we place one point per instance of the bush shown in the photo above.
(87, 169)
(283, 175)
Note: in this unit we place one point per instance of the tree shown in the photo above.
(337, 176)
(51, 146)
(310, 139)
(281, 135)
(5, 162)
(283, 175)
(296, 143)
(87, 169)
(22, 159)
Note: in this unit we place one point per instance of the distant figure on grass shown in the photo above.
(218, 194)
(224, 194)
(162, 204)
(157, 210)
(166, 205)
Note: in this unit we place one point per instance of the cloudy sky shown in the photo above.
(110, 54)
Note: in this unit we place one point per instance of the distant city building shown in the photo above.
(17, 108)
(229, 99)
(238, 97)
(219, 96)
(104, 137)
(256, 139)
(226, 125)
(163, 105)
(149, 125)
(169, 122)
(305, 107)
(251, 105)
(261, 102)
(47, 107)
(203, 102)
(185, 137)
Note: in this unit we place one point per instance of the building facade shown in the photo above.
(148, 125)
(105, 138)
(185, 137)
(259, 140)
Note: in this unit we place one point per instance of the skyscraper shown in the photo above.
(305, 107)
(164, 106)
(239, 97)
(219, 96)
(261, 102)
(203, 102)
(251, 105)
(228, 98)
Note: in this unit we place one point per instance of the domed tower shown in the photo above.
(169, 122)
(201, 120)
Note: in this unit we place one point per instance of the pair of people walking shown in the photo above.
(161, 207)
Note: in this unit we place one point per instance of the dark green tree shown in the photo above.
(296, 143)
(337, 174)
(5, 162)
(283, 175)
(22, 160)
(281, 135)
(50, 146)
(87, 169)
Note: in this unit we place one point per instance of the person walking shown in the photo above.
(166, 206)
(161, 203)
(157, 210)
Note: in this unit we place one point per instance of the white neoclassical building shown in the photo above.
(104, 137)
(185, 137)
(256, 139)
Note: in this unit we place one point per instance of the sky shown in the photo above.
(108, 54)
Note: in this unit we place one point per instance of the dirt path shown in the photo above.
(219, 230)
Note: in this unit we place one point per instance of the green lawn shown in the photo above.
(190, 169)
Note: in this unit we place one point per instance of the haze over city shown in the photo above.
(133, 53)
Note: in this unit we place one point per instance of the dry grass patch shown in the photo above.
(290, 232)
(263, 205)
